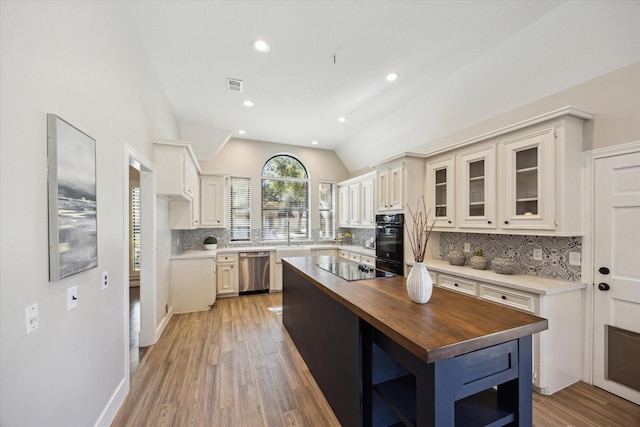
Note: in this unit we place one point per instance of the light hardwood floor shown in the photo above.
(235, 365)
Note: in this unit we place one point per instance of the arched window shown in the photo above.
(285, 199)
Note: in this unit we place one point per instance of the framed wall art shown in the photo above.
(73, 237)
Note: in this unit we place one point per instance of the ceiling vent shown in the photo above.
(234, 85)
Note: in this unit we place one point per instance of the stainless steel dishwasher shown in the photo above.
(254, 272)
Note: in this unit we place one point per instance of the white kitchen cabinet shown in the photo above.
(343, 206)
(193, 282)
(390, 187)
(521, 179)
(227, 275)
(176, 170)
(528, 199)
(367, 202)
(213, 197)
(440, 191)
(476, 180)
(177, 181)
(557, 352)
(356, 202)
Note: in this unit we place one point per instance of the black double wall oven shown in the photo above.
(390, 243)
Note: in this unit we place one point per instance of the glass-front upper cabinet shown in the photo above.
(527, 177)
(440, 185)
(476, 180)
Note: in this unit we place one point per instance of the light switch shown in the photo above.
(72, 298)
(467, 247)
(33, 319)
(105, 280)
(574, 258)
(537, 254)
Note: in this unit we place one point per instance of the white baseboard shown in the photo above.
(111, 410)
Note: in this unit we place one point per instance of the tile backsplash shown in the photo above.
(555, 251)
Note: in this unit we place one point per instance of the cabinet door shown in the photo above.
(227, 278)
(367, 205)
(440, 186)
(477, 188)
(277, 286)
(527, 178)
(383, 190)
(343, 206)
(354, 204)
(396, 188)
(212, 201)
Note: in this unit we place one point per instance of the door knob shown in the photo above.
(603, 286)
(603, 270)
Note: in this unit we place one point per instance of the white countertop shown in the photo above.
(194, 254)
(234, 249)
(524, 282)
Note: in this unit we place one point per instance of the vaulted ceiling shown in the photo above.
(459, 62)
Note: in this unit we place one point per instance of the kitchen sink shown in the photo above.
(292, 251)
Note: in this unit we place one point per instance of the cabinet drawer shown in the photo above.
(354, 257)
(368, 260)
(482, 369)
(343, 254)
(459, 285)
(228, 258)
(508, 297)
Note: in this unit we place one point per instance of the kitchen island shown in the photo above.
(381, 359)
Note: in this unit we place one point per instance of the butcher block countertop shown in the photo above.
(450, 324)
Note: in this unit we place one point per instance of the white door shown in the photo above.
(617, 291)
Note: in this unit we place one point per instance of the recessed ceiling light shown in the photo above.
(392, 76)
(260, 45)
(314, 142)
(241, 132)
(248, 103)
(342, 119)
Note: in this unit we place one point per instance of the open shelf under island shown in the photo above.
(381, 359)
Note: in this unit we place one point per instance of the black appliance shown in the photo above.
(351, 271)
(390, 243)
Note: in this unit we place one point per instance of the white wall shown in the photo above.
(78, 60)
(241, 157)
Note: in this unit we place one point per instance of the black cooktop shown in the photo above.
(351, 271)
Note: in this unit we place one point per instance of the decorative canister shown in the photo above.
(419, 283)
(456, 258)
(502, 265)
(479, 262)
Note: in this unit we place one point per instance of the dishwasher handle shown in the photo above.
(254, 254)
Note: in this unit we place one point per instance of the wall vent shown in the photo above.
(234, 85)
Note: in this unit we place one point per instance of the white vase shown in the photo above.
(419, 284)
(211, 246)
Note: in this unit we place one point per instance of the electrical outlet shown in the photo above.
(105, 280)
(33, 319)
(72, 298)
(537, 254)
(467, 247)
(574, 258)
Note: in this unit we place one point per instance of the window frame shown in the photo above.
(280, 230)
(232, 232)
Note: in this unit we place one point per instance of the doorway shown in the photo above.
(140, 257)
(616, 274)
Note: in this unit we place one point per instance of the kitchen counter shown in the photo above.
(453, 347)
(194, 254)
(524, 282)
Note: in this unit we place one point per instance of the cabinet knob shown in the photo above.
(455, 284)
(488, 222)
(506, 222)
(504, 297)
(603, 286)
(603, 270)
(449, 222)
